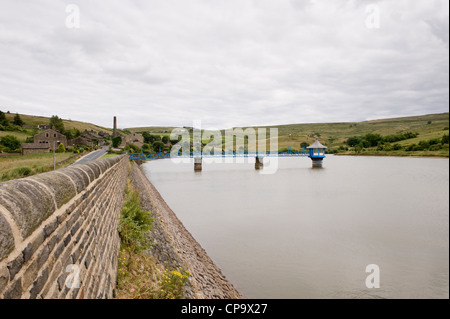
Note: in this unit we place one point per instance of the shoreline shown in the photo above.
(175, 246)
(400, 156)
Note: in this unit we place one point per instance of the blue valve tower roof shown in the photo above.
(316, 144)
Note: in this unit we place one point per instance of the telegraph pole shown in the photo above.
(54, 156)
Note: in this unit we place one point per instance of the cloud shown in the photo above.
(227, 63)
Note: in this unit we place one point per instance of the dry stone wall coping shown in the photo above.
(55, 219)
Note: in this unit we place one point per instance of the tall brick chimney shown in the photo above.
(115, 127)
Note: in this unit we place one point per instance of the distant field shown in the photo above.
(21, 136)
(68, 124)
(153, 129)
(20, 166)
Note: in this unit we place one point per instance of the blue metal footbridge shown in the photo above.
(316, 152)
(161, 155)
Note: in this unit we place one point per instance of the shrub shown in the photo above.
(353, 141)
(10, 142)
(435, 147)
(172, 283)
(423, 145)
(61, 148)
(116, 141)
(412, 147)
(17, 120)
(372, 139)
(132, 148)
(158, 145)
(304, 145)
(135, 223)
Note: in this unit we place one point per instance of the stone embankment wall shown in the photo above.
(175, 246)
(58, 231)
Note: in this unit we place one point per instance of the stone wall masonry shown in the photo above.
(58, 231)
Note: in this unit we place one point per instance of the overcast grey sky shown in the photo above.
(225, 62)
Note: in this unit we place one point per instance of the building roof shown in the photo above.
(35, 145)
(316, 144)
(50, 131)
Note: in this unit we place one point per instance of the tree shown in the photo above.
(165, 139)
(158, 145)
(146, 148)
(3, 120)
(146, 136)
(61, 148)
(116, 141)
(17, 120)
(132, 148)
(373, 139)
(10, 142)
(149, 138)
(444, 139)
(71, 134)
(57, 123)
(353, 141)
(304, 144)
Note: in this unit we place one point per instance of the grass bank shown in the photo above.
(13, 167)
(109, 155)
(401, 153)
(139, 275)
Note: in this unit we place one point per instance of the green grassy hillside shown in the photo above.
(33, 121)
(335, 135)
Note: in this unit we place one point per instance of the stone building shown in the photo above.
(134, 138)
(51, 138)
(103, 134)
(94, 136)
(80, 141)
(34, 148)
(88, 138)
(44, 126)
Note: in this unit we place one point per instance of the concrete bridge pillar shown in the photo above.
(317, 162)
(197, 164)
(259, 162)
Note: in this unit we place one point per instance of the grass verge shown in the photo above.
(13, 167)
(139, 276)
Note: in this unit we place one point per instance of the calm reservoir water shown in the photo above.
(310, 233)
